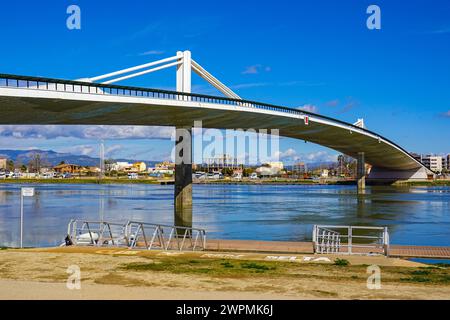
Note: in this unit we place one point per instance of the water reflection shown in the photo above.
(278, 212)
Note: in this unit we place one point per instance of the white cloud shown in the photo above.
(446, 114)
(151, 53)
(319, 156)
(255, 69)
(309, 108)
(252, 69)
(112, 150)
(289, 153)
(85, 150)
(250, 85)
(85, 132)
(332, 103)
(313, 157)
(444, 30)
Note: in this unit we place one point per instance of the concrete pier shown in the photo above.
(183, 177)
(361, 172)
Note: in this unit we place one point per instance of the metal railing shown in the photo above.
(326, 240)
(135, 234)
(96, 233)
(48, 84)
(164, 237)
(350, 239)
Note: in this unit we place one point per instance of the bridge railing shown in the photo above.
(39, 83)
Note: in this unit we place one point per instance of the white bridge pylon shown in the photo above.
(185, 65)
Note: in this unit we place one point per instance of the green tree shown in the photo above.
(247, 172)
(10, 165)
(227, 171)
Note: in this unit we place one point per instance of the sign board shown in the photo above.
(28, 192)
(306, 119)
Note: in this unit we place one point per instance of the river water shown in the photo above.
(414, 215)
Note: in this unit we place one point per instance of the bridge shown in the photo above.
(28, 100)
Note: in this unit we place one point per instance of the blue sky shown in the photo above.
(317, 54)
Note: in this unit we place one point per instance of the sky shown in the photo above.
(317, 55)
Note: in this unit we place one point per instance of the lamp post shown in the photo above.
(24, 192)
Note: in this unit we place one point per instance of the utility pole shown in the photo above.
(102, 159)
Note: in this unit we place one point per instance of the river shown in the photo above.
(414, 215)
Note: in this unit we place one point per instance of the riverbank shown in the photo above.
(427, 183)
(168, 181)
(81, 181)
(135, 274)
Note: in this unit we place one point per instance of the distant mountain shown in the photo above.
(53, 158)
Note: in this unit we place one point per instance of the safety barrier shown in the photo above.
(165, 237)
(350, 239)
(135, 234)
(96, 233)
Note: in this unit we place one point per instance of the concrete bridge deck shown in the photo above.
(402, 251)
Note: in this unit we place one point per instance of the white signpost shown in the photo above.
(24, 192)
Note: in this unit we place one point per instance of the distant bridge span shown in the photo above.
(30, 100)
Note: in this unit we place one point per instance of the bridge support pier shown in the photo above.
(361, 172)
(183, 177)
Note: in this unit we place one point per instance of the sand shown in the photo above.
(42, 274)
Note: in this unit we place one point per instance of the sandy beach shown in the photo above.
(135, 274)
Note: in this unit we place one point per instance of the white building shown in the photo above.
(270, 169)
(276, 164)
(324, 173)
(119, 166)
(434, 163)
(221, 161)
(3, 163)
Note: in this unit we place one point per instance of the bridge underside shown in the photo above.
(31, 107)
(387, 175)
(85, 109)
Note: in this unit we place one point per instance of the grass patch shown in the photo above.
(257, 266)
(325, 293)
(212, 267)
(416, 279)
(232, 268)
(227, 264)
(341, 262)
(117, 279)
(421, 272)
(427, 275)
(194, 261)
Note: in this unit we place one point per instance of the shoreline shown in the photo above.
(106, 181)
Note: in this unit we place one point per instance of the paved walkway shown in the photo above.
(420, 251)
(306, 247)
(259, 246)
